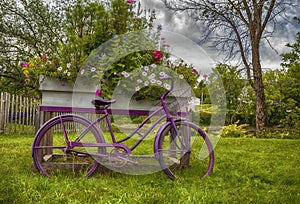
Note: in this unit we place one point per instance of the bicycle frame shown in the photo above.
(118, 143)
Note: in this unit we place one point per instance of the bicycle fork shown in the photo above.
(182, 136)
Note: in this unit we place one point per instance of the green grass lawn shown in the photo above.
(246, 171)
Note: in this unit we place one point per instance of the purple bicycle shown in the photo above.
(75, 143)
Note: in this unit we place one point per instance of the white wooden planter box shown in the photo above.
(56, 95)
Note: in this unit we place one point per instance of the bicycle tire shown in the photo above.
(50, 151)
(189, 147)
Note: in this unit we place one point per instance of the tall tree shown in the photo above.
(238, 27)
(27, 28)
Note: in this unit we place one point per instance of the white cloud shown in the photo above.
(180, 24)
(186, 49)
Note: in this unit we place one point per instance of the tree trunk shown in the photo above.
(259, 91)
(260, 108)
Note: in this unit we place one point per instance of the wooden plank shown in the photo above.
(35, 119)
(9, 102)
(15, 114)
(2, 118)
(27, 121)
(6, 110)
(18, 123)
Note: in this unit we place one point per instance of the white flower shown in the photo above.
(93, 69)
(167, 86)
(146, 68)
(125, 74)
(146, 83)
(144, 73)
(66, 71)
(153, 81)
(162, 74)
(59, 68)
(158, 82)
(68, 74)
(153, 65)
(82, 71)
(68, 65)
(181, 76)
(139, 81)
(152, 76)
(137, 88)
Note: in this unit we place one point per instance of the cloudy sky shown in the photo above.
(183, 34)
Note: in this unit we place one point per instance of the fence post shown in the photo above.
(2, 119)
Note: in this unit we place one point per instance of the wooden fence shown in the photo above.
(18, 114)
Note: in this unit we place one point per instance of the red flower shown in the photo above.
(157, 55)
(130, 1)
(43, 59)
(98, 92)
(194, 71)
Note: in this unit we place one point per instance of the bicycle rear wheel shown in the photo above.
(52, 155)
(187, 146)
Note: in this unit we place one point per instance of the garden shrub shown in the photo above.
(235, 130)
(205, 117)
(281, 133)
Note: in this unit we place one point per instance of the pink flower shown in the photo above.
(25, 64)
(43, 58)
(157, 55)
(194, 71)
(205, 76)
(130, 1)
(98, 92)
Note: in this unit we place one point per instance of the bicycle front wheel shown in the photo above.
(51, 152)
(184, 147)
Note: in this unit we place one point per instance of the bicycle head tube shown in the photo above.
(163, 97)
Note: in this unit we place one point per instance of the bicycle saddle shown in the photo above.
(101, 103)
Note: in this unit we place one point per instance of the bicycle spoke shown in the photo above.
(51, 153)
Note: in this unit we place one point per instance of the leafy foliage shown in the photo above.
(28, 28)
(235, 130)
(147, 84)
(233, 84)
